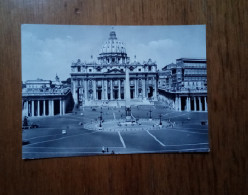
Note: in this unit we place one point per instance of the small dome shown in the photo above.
(113, 45)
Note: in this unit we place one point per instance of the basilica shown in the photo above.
(102, 82)
(114, 80)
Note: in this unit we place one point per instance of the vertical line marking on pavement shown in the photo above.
(122, 141)
(155, 138)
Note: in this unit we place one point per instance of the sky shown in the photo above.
(48, 50)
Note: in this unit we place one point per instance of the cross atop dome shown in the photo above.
(112, 35)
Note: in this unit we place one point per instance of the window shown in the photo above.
(79, 69)
(139, 69)
(90, 70)
(149, 68)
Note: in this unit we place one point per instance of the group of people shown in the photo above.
(107, 150)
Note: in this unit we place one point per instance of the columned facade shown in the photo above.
(41, 107)
(46, 102)
(190, 103)
(103, 82)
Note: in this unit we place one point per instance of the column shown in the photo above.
(135, 88)
(146, 84)
(105, 90)
(143, 89)
(155, 89)
(194, 104)
(180, 106)
(111, 89)
(176, 103)
(52, 107)
(205, 103)
(29, 108)
(38, 107)
(74, 94)
(119, 89)
(60, 107)
(49, 108)
(102, 94)
(189, 104)
(25, 108)
(86, 89)
(32, 108)
(200, 104)
(63, 107)
(94, 89)
(44, 107)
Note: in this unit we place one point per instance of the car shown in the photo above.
(25, 142)
(33, 126)
(204, 122)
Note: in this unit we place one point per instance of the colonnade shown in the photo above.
(195, 103)
(113, 89)
(44, 107)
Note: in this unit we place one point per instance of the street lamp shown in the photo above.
(101, 114)
(100, 125)
(150, 115)
(160, 123)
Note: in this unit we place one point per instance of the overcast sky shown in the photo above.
(48, 50)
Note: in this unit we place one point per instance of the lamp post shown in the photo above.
(101, 114)
(160, 122)
(150, 115)
(100, 125)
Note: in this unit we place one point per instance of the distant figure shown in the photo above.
(107, 150)
(103, 150)
(113, 152)
(25, 121)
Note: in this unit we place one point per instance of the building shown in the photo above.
(103, 82)
(165, 80)
(186, 83)
(45, 98)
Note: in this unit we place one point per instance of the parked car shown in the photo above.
(25, 142)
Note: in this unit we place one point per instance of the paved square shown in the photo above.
(187, 134)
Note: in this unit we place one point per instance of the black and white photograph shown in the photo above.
(109, 90)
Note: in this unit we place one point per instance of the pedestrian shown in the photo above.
(107, 149)
(103, 150)
(25, 122)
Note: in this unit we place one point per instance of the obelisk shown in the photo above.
(127, 96)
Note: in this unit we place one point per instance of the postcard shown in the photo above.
(109, 90)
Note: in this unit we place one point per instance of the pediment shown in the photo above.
(115, 70)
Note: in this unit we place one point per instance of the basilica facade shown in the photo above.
(102, 82)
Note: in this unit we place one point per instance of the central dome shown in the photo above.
(113, 51)
(113, 45)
